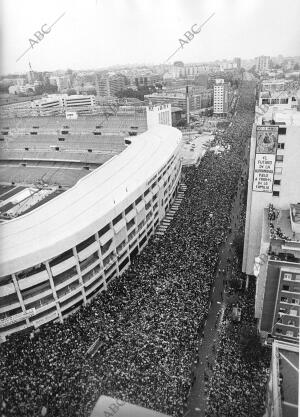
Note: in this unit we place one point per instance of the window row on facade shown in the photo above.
(60, 285)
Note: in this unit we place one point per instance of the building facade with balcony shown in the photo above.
(272, 234)
(262, 63)
(57, 104)
(282, 399)
(222, 97)
(277, 303)
(274, 173)
(109, 85)
(63, 253)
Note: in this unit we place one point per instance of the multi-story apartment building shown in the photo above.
(109, 85)
(277, 304)
(283, 388)
(145, 80)
(197, 99)
(272, 239)
(262, 63)
(238, 62)
(62, 82)
(222, 97)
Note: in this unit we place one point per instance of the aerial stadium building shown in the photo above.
(59, 255)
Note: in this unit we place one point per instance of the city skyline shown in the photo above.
(98, 34)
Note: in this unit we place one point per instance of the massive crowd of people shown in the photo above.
(149, 321)
(238, 383)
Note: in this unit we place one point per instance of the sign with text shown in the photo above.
(263, 172)
(264, 165)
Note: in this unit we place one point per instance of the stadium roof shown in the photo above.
(77, 213)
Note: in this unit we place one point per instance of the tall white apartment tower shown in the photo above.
(220, 97)
(262, 63)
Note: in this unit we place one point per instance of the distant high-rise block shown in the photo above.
(262, 63)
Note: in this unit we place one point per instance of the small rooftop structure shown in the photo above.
(295, 217)
(284, 224)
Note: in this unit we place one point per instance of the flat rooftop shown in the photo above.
(282, 228)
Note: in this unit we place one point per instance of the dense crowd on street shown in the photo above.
(238, 383)
(149, 321)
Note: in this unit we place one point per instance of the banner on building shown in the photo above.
(266, 139)
(264, 165)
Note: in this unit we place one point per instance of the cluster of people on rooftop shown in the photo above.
(149, 321)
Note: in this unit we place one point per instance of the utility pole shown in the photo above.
(187, 106)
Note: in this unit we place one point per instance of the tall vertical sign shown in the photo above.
(265, 155)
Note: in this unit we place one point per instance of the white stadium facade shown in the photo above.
(61, 254)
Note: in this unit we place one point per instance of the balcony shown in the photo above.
(9, 302)
(42, 305)
(106, 237)
(91, 288)
(119, 226)
(130, 225)
(65, 279)
(74, 298)
(63, 266)
(37, 295)
(92, 276)
(130, 215)
(33, 280)
(89, 263)
(49, 316)
(7, 289)
(85, 253)
(68, 292)
(140, 206)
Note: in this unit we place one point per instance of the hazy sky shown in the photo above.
(97, 33)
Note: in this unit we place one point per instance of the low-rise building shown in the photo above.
(60, 103)
(197, 99)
